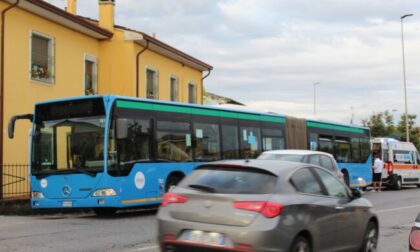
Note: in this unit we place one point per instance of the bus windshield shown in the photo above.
(68, 138)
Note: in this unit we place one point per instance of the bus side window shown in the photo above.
(230, 144)
(342, 149)
(207, 142)
(272, 139)
(326, 144)
(250, 142)
(135, 144)
(174, 141)
(355, 150)
(313, 141)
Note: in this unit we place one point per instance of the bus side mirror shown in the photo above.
(12, 121)
(122, 128)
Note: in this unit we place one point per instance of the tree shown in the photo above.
(413, 131)
(381, 124)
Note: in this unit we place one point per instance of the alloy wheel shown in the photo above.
(301, 246)
(371, 239)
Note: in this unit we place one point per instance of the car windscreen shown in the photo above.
(283, 157)
(227, 180)
(418, 218)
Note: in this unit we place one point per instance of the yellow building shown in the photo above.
(50, 53)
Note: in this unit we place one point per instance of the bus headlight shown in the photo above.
(37, 195)
(104, 192)
(361, 181)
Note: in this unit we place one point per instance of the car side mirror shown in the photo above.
(355, 193)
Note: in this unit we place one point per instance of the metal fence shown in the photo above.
(15, 181)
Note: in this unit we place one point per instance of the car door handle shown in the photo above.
(339, 207)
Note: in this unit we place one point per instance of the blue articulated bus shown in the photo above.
(111, 152)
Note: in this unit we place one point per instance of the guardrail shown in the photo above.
(15, 182)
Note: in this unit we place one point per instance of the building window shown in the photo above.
(151, 84)
(192, 93)
(42, 58)
(173, 81)
(91, 84)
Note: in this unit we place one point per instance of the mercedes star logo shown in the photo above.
(66, 191)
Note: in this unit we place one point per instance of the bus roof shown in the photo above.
(310, 122)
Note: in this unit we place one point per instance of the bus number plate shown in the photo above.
(67, 203)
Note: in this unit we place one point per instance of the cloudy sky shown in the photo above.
(269, 53)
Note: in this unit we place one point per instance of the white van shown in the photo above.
(402, 162)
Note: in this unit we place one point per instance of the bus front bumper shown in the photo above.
(90, 202)
(93, 202)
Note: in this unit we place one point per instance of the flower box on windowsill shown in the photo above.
(40, 73)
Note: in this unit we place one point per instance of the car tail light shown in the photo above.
(169, 237)
(267, 208)
(415, 240)
(170, 198)
(244, 247)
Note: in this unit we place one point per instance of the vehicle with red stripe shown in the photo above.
(402, 162)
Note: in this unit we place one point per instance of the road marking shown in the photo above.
(146, 248)
(397, 209)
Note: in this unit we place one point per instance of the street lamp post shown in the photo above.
(405, 85)
(315, 84)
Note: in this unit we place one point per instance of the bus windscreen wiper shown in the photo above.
(203, 188)
(90, 173)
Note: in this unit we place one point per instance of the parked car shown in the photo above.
(265, 205)
(414, 239)
(318, 158)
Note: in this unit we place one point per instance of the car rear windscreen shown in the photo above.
(231, 181)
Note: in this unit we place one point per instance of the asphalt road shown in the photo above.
(397, 211)
(136, 231)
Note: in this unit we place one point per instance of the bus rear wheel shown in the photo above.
(172, 180)
(105, 211)
(346, 177)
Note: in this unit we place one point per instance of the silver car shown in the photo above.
(265, 205)
(317, 158)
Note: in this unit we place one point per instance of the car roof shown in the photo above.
(272, 166)
(297, 152)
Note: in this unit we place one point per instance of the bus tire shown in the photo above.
(346, 177)
(105, 211)
(173, 180)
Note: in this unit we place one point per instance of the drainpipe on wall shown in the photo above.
(202, 85)
(137, 67)
(3, 19)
